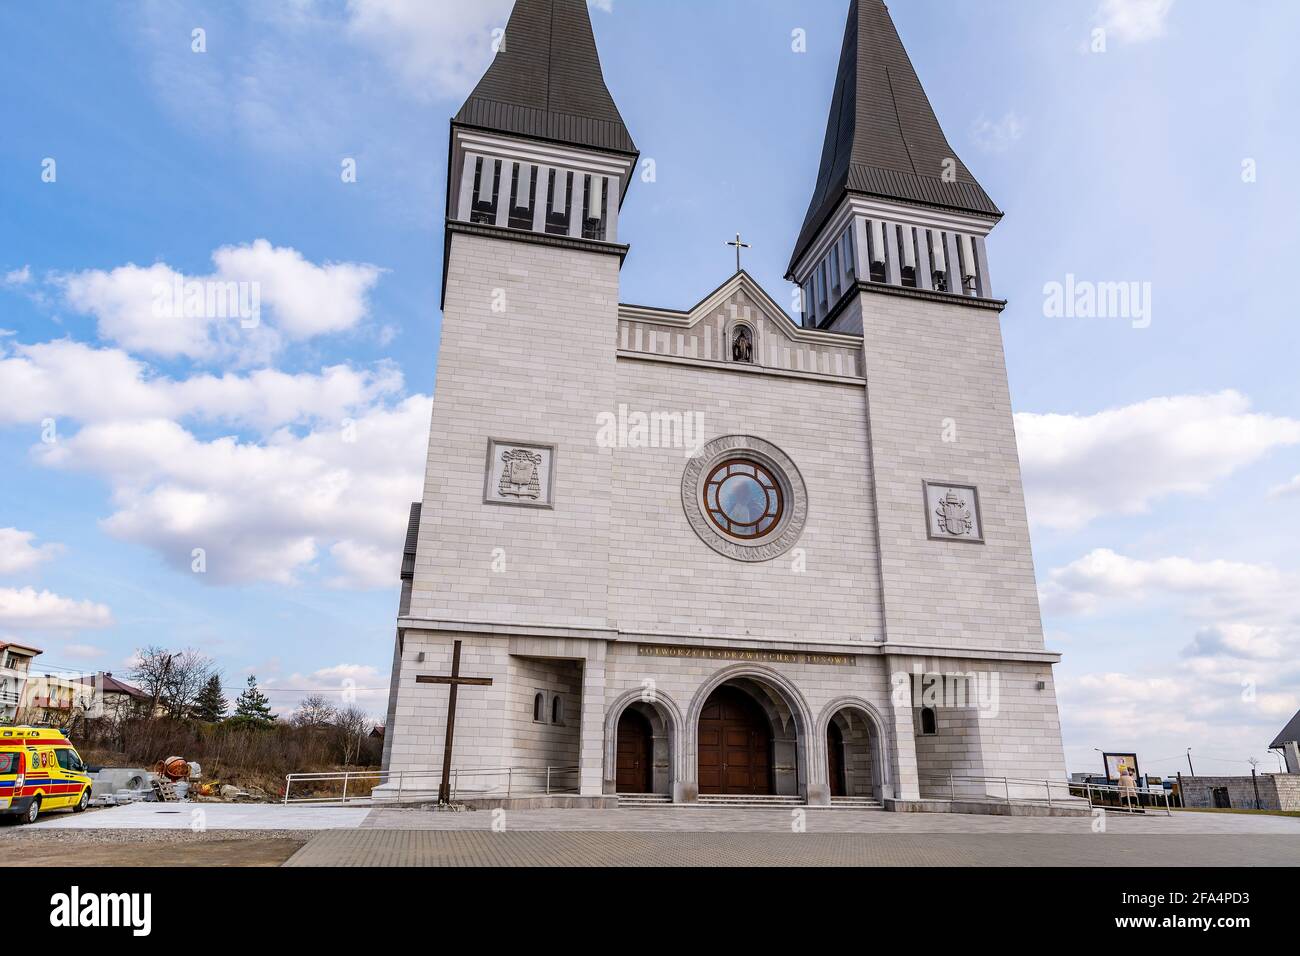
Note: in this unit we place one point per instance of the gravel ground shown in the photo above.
(170, 848)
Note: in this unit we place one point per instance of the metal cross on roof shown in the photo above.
(739, 245)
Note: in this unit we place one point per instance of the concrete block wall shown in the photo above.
(1277, 791)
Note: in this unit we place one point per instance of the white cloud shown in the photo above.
(260, 512)
(1236, 680)
(307, 299)
(1118, 461)
(363, 565)
(29, 609)
(1291, 487)
(1213, 590)
(67, 379)
(17, 277)
(136, 308)
(438, 49)
(997, 136)
(1134, 21)
(17, 553)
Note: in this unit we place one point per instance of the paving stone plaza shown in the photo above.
(696, 836)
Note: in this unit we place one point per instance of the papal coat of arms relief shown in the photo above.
(519, 476)
(954, 517)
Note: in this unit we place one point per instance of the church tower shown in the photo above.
(893, 249)
(540, 161)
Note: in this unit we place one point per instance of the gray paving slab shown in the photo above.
(478, 848)
(716, 819)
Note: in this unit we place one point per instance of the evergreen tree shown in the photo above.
(211, 705)
(253, 707)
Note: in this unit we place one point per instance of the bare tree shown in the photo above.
(352, 724)
(314, 712)
(172, 678)
(189, 671)
(149, 672)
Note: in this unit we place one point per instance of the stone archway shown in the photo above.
(786, 713)
(659, 717)
(861, 764)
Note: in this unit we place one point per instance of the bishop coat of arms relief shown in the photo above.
(519, 476)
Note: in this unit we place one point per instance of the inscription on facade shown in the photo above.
(740, 654)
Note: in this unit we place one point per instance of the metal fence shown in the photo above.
(421, 786)
(1012, 790)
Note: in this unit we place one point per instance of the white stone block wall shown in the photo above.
(527, 354)
(929, 365)
(663, 578)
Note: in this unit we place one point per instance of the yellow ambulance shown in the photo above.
(40, 770)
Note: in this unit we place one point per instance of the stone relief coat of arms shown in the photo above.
(519, 476)
(954, 516)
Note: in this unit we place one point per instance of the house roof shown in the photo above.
(546, 83)
(882, 137)
(111, 685)
(33, 651)
(1289, 733)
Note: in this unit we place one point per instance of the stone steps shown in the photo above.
(856, 803)
(753, 801)
(644, 800)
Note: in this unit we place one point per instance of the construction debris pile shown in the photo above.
(173, 780)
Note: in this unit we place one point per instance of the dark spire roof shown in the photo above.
(1289, 733)
(546, 81)
(882, 138)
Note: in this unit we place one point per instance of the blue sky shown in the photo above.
(1161, 463)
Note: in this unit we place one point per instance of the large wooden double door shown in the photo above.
(735, 745)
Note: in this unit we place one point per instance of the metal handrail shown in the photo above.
(1027, 789)
(548, 777)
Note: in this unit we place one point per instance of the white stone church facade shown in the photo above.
(718, 551)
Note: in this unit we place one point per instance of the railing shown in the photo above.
(1026, 790)
(1011, 790)
(421, 786)
(1129, 799)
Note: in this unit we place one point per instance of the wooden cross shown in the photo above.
(739, 245)
(455, 680)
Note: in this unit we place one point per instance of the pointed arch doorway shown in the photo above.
(734, 745)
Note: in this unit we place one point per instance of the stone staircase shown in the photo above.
(856, 803)
(748, 801)
(644, 800)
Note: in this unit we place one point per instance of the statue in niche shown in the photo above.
(742, 345)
